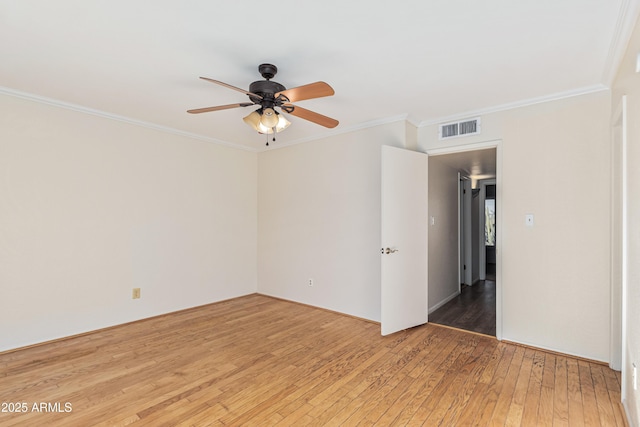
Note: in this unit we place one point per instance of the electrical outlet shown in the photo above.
(136, 293)
(310, 282)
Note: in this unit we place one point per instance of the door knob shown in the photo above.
(388, 251)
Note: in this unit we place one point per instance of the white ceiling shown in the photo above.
(475, 164)
(424, 60)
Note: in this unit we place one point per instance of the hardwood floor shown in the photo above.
(259, 361)
(473, 310)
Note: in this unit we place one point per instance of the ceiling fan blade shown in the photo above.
(231, 87)
(312, 116)
(310, 91)
(219, 107)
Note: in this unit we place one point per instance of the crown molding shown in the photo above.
(517, 104)
(85, 110)
(340, 131)
(627, 17)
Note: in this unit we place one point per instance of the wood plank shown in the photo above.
(574, 393)
(561, 393)
(545, 408)
(605, 405)
(516, 408)
(531, 402)
(500, 413)
(590, 406)
(467, 379)
(490, 389)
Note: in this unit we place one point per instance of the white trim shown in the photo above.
(338, 131)
(627, 17)
(110, 116)
(615, 211)
(460, 228)
(166, 129)
(81, 109)
(342, 130)
(625, 259)
(443, 302)
(555, 350)
(468, 235)
(485, 145)
(517, 104)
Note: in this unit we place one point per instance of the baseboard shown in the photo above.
(556, 352)
(443, 302)
(319, 308)
(119, 325)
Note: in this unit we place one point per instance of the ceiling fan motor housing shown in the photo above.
(267, 90)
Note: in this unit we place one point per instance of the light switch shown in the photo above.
(528, 220)
(433, 220)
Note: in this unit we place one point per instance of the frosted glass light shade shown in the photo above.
(282, 123)
(253, 120)
(269, 118)
(257, 121)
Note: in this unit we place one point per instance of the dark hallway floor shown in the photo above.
(473, 310)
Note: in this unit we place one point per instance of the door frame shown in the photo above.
(466, 236)
(619, 245)
(462, 231)
(497, 144)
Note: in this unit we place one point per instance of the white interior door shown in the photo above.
(404, 239)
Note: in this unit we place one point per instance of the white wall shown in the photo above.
(555, 276)
(628, 83)
(92, 207)
(443, 234)
(319, 217)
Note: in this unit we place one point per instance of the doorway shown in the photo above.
(475, 305)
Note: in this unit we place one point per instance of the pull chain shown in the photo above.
(274, 136)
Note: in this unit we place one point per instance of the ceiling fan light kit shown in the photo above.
(264, 122)
(270, 95)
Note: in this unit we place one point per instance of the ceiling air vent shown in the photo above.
(461, 128)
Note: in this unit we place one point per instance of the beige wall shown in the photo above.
(95, 207)
(555, 276)
(628, 83)
(92, 207)
(319, 217)
(319, 214)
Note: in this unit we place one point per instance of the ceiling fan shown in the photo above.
(269, 95)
